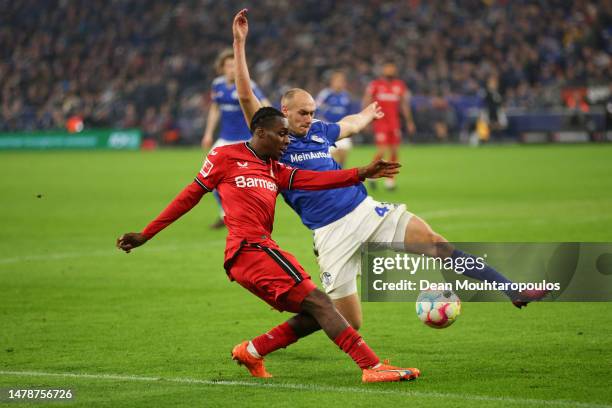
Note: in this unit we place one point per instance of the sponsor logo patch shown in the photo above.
(326, 279)
(317, 139)
(250, 182)
(206, 168)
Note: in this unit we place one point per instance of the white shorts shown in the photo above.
(342, 144)
(339, 244)
(225, 142)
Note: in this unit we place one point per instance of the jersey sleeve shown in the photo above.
(211, 173)
(214, 94)
(284, 175)
(182, 203)
(332, 131)
(289, 178)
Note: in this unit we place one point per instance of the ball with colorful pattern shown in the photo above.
(438, 308)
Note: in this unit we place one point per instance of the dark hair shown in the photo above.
(263, 117)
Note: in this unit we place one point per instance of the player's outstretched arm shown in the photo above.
(294, 179)
(352, 124)
(182, 203)
(214, 114)
(248, 101)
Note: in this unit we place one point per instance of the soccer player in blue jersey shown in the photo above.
(344, 218)
(225, 110)
(334, 103)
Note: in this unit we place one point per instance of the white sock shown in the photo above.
(252, 350)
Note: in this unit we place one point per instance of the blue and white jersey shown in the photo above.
(233, 126)
(311, 152)
(333, 106)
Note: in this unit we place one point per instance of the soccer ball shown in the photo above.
(438, 308)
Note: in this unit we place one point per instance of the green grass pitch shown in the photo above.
(154, 328)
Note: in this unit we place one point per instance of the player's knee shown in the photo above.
(317, 303)
(442, 247)
(354, 321)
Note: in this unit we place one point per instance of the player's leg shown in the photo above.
(276, 278)
(320, 306)
(251, 353)
(414, 235)
(420, 238)
(350, 308)
(283, 283)
(337, 247)
(380, 139)
(393, 142)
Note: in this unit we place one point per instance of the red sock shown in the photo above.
(279, 337)
(352, 344)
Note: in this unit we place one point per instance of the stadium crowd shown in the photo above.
(149, 63)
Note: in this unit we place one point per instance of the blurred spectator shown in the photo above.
(96, 58)
(494, 114)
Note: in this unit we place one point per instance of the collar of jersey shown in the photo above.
(248, 146)
(304, 138)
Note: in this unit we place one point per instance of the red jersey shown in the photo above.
(248, 186)
(389, 96)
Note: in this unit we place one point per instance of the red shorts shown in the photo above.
(273, 275)
(388, 137)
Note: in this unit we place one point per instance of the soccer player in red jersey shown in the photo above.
(248, 177)
(393, 97)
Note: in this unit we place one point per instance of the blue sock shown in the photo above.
(486, 273)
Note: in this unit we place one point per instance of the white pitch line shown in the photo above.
(312, 387)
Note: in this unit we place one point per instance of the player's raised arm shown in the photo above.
(214, 114)
(352, 124)
(248, 101)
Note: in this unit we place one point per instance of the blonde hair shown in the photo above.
(221, 58)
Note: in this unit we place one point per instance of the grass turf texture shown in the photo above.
(71, 303)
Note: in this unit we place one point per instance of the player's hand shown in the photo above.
(411, 127)
(131, 240)
(207, 142)
(240, 27)
(374, 111)
(379, 168)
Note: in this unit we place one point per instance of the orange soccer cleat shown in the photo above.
(389, 373)
(253, 364)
